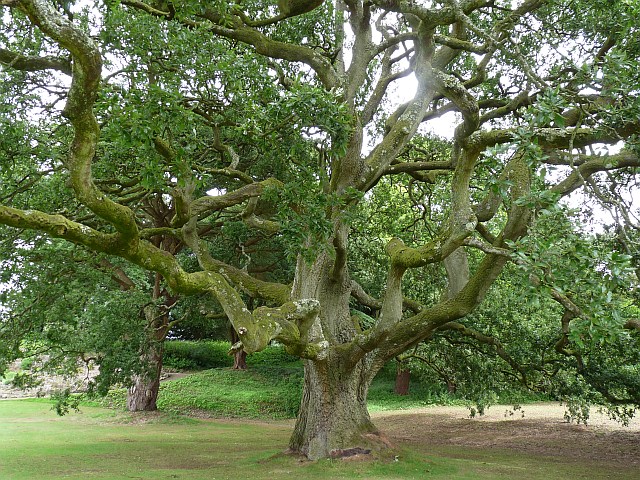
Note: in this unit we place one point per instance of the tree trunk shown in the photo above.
(403, 376)
(333, 420)
(240, 360)
(142, 395)
(239, 357)
(451, 386)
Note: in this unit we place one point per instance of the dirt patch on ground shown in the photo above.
(541, 431)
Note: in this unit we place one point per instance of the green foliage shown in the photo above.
(521, 315)
(410, 213)
(60, 309)
(190, 355)
(64, 402)
(581, 267)
(199, 355)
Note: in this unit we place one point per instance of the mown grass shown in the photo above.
(104, 444)
(101, 443)
(107, 444)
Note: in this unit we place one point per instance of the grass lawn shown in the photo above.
(100, 443)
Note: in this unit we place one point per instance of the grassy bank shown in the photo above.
(271, 387)
(263, 391)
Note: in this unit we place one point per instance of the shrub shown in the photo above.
(26, 363)
(273, 355)
(196, 355)
(201, 355)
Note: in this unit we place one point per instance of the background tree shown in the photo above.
(65, 316)
(231, 112)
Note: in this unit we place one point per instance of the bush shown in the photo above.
(7, 378)
(273, 355)
(200, 355)
(26, 363)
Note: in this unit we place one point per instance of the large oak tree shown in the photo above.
(282, 121)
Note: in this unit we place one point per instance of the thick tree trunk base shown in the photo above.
(372, 446)
(333, 421)
(143, 395)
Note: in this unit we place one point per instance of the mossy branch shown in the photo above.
(203, 206)
(85, 82)
(28, 63)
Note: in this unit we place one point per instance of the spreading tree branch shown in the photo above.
(29, 63)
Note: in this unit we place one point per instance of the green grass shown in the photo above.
(272, 390)
(259, 392)
(105, 444)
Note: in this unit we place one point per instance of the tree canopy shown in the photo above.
(152, 132)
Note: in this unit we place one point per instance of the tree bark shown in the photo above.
(451, 386)
(403, 377)
(240, 360)
(240, 356)
(333, 420)
(142, 395)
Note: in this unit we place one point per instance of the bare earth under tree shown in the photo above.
(542, 431)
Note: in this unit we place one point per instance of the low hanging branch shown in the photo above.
(488, 340)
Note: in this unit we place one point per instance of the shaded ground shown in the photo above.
(542, 431)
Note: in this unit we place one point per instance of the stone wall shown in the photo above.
(49, 385)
